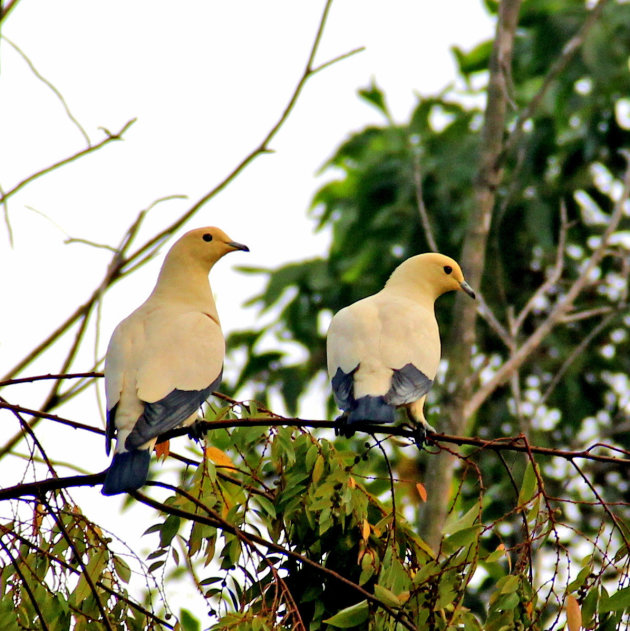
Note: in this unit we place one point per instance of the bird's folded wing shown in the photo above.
(173, 360)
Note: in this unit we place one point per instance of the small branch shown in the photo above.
(50, 417)
(51, 86)
(91, 149)
(6, 9)
(558, 66)
(507, 443)
(554, 277)
(216, 520)
(484, 310)
(559, 311)
(422, 209)
(587, 313)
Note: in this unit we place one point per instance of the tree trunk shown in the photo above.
(462, 335)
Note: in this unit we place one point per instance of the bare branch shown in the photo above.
(577, 351)
(484, 310)
(559, 311)
(6, 9)
(558, 66)
(554, 277)
(51, 86)
(422, 209)
(75, 156)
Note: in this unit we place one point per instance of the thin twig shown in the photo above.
(422, 209)
(559, 311)
(75, 156)
(214, 519)
(51, 86)
(557, 67)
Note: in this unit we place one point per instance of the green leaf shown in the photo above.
(169, 530)
(509, 584)
(465, 536)
(529, 486)
(318, 469)
(619, 601)
(188, 621)
(386, 596)
(350, 616)
(267, 505)
(455, 523)
(122, 569)
(375, 96)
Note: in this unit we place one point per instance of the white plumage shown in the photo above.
(165, 359)
(384, 351)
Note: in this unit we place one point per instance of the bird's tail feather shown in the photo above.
(128, 471)
(374, 409)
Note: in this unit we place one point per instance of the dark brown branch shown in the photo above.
(508, 443)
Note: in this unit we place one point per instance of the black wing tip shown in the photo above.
(129, 471)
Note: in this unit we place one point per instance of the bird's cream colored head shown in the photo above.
(203, 246)
(429, 275)
(186, 266)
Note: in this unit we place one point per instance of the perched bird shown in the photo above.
(384, 351)
(165, 359)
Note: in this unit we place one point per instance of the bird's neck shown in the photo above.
(186, 283)
(422, 293)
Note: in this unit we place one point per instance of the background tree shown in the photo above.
(280, 527)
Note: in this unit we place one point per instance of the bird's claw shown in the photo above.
(197, 431)
(342, 427)
(419, 433)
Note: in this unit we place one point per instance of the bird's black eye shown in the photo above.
(448, 269)
(207, 237)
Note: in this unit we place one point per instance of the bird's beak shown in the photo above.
(238, 246)
(467, 288)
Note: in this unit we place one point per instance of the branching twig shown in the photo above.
(562, 307)
(508, 443)
(75, 156)
(215, 520)
(557, 67)
(422, 209)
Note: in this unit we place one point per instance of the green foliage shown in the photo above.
(575, 383)
(60, 573)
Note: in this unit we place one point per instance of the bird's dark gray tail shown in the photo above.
(128, 471)
(372, 410)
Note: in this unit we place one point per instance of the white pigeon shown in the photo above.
(165, 359)
(383, 351)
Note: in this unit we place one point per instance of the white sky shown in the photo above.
(206, 81)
